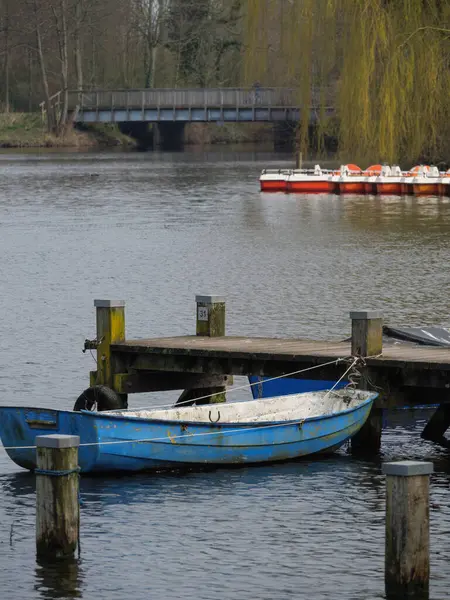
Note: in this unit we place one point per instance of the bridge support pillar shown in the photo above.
(138, 130)
(284, 135)
(168, 135)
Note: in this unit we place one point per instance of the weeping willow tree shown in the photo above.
(382, 65)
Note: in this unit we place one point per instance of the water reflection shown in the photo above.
(59, 580)
(401, 215)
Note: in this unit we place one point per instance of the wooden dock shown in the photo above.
(204, 364)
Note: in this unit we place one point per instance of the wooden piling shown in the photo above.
(110, 317)
(367, 340)
(367, 332)
(210, 316)
(407, 559)
(57, 491)
(210, 322)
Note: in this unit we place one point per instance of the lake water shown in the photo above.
(156, 229)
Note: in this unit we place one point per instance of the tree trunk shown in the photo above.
(78, 44)
(30, 80)
(49, 107)
(64, 67)
(154, 54)
(7, 57)
(61, 30)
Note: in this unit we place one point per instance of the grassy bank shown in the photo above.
(26, 130)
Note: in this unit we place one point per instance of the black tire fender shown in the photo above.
(101, 395)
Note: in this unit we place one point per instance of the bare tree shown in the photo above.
(38, 21)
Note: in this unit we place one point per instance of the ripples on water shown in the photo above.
(155, 230)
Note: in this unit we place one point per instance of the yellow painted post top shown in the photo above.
(110, 330)
(210, 315)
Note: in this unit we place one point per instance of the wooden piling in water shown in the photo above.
(57, 496)
(110, 322)
(367, 340)
(407, 559)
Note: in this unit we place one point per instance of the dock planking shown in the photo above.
(296, 350)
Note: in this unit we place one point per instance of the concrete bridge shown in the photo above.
(171, 109)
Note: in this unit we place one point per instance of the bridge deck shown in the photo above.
(186, 105)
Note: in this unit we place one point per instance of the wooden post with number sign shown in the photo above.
(210, 323)
(210, 315)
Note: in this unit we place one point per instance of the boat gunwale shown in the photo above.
(256, 424)
(202, 424)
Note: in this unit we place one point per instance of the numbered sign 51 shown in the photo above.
(202, 313)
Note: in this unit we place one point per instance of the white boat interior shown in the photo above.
(292, 407)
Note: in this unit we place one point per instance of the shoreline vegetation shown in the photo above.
(375, 72)
(26, 130)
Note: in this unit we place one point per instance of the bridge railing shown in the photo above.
(184, 98)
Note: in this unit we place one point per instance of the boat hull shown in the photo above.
(349, 187)
(134, 444)
(426, 189)
(407, 188)
(310, 187)
(370, 188)
(273, 186)
(389, 188)
(444, 188)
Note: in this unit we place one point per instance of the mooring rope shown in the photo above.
(330, 391)
(235, 389)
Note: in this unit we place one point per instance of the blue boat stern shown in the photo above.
(19, 427)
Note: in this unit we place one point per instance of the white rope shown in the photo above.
(234, 389)
(330, 391)
(191, 435)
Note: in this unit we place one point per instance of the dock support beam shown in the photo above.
(57, 503)
(210, 323)
(436, 427)
(367, 340)
(407, 559)
(110, 329)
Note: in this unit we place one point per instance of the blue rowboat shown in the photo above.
(257, 431)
